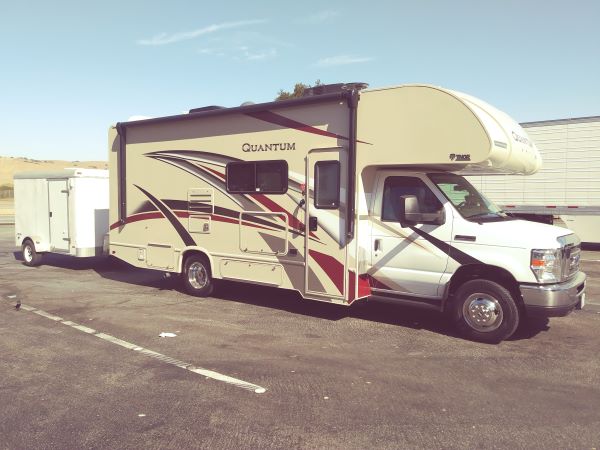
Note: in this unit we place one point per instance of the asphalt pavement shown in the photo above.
(83, 365)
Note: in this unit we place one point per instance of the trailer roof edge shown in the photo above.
(561, 121)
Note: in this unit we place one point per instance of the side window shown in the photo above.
(266, 177)
(395, 187)
(240, 177)
(327, 184)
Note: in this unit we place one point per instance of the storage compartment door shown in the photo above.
(58, 205)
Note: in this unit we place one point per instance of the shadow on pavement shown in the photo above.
(65, 261)
(281, 299)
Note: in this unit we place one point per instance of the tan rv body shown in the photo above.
(169, 195)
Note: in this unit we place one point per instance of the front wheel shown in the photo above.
(30, 256)
(197, 277)
(485, 311)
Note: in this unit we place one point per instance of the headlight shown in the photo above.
(546, 265)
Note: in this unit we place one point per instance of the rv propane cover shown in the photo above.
(427, 126)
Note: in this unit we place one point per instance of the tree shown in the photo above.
(299, 89)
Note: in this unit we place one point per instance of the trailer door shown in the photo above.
(325, 237)
(58, 206)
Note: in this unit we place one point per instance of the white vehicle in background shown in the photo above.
(568, 184)
(63, 211)
(342, 195)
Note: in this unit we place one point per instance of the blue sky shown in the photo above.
(69, 69)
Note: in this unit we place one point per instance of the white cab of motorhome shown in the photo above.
(344, 194)
(63, 211)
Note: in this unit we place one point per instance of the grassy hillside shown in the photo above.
(10, 165)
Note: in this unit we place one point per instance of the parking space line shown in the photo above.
(150, 353)
(39, 312)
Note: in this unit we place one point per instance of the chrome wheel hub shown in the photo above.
(482, 312)
(197, 275)
(27, 253)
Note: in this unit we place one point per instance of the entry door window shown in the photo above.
(327, 184)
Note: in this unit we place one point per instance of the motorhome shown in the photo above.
(61, 211)
(342, 195)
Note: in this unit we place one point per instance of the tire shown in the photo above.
(197, 276)
(31, 258)
(485, 311)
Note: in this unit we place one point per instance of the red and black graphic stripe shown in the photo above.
(195, 162)
(364, 287)
(331, 266)
(145, 207)
(187, 239)
(454, 253)
(285, 122)
(182, 205)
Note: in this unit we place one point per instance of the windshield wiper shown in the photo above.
(499, 214)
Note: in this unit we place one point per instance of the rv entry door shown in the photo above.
(325, 223)
(58, 210)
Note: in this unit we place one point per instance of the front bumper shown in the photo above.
(554, 299)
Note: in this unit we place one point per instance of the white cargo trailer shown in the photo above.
(62, 211)
(568, 184)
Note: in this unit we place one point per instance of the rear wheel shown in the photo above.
(485, 311)
(30, 256)
(197, 276)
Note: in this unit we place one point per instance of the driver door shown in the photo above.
(406, 260)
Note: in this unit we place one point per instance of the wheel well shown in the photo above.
(186, 254)
(480, 271)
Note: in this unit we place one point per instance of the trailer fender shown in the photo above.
(38, 242)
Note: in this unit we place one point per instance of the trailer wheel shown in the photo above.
(197, 276)
(485, 311)
(30, 256)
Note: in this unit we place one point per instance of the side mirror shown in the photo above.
(410, 213)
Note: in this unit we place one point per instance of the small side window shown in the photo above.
(327, 184)
(240, 177)
(266, 177)
(272, 176)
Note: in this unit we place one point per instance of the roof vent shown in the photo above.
(358, 86)
(333, 88)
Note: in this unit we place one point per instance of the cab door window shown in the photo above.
(397, 186)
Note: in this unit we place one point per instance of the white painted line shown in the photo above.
(27, 308)
(79, 327)
(114, 340)
(46, 315)
(150, 353)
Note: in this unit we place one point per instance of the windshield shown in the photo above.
(467, 200)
